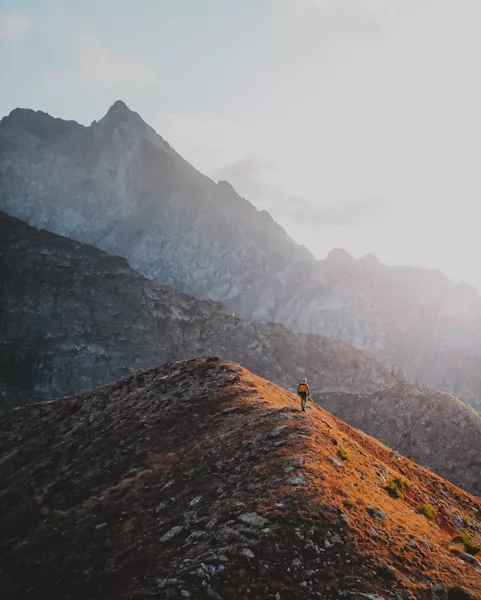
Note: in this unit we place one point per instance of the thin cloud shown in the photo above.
(363, 16)
(252, 177)
(13, 26)
(96, 65)
(201, 139)
(258, 180)
(343, 214)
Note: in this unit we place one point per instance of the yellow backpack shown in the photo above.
(303, 388)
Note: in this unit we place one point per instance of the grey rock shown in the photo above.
(277, 431)
(458, 521)
(469, 558)
(438, 592)
(248, 553)
(253, 520)
(363, 596)
(172, 533)
(299, 480)
(335, 461)
(196, 536)
(375, 513)
(212, 523)
(209, 569)
(293, 464)
(164, 582)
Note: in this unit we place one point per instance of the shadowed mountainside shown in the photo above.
(74, 318)
(118, 185)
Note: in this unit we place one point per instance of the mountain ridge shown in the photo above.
(198, 479)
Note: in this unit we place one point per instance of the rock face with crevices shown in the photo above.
(167, 484)
(73, 318)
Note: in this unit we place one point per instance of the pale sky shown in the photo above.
(356, 123)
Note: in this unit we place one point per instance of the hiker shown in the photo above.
(303, 392)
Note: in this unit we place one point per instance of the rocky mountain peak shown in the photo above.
(38, 124)
(369, 260)
(340, 255)
(119, 111)
(120, 114)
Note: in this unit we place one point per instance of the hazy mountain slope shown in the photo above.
(120, 186)
(435, 429)
(201, 480)
(73, 317)
(415, 318)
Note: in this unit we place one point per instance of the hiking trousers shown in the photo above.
(303, 396)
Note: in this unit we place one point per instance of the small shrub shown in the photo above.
(395, 487)
(343, 453)
(455, 549)
(427, 510)
(349, 503)
(466, 521)
(470, 545)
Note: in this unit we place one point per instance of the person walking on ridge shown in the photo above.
(303, 392)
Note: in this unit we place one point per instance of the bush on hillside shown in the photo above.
(396, 486)
(470, 545)
(427, 510)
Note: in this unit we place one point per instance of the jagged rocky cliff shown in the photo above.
(199, 480)
(74, 317)
(120, 186)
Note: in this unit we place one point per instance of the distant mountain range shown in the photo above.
(74, 317)
(119, 186)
